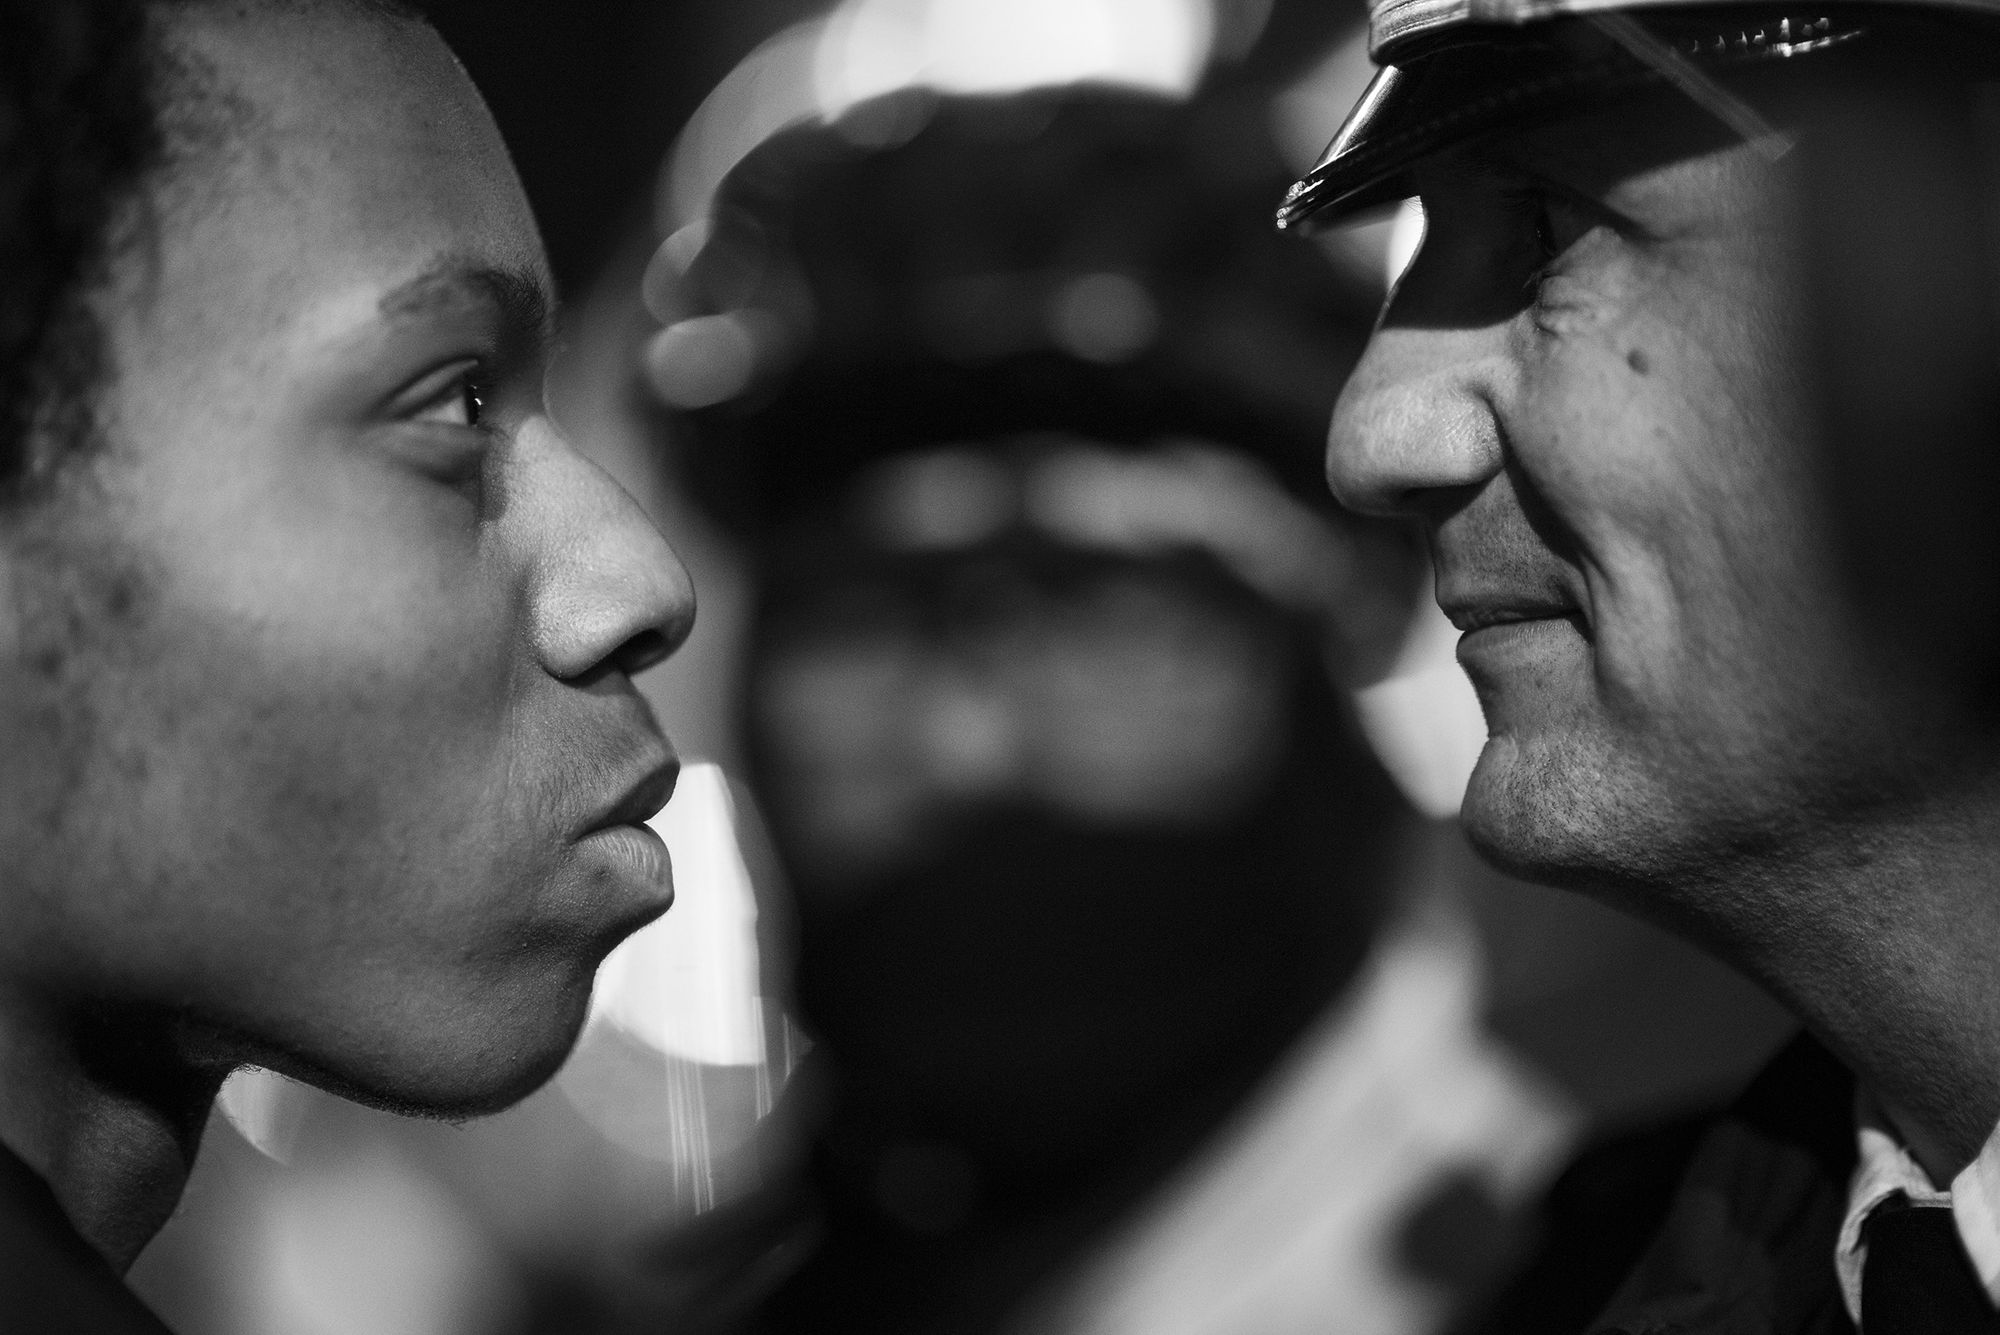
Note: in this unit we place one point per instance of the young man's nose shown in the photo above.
(605, 591)
(1415, 420)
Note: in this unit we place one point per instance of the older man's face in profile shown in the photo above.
(1593, 387)
(316, 704)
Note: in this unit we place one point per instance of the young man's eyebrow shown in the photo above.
(520, 296)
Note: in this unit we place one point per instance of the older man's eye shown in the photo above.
(1544, 228)
(1549, 225)
(1535, 226)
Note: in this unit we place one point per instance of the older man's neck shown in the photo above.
(1887, 944)
(100, 1109)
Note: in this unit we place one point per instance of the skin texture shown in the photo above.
(321, 745)
(1594, 387)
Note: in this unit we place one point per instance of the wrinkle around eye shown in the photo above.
(1585, 286)
(1564, 305)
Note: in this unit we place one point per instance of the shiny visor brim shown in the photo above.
(1459, 93)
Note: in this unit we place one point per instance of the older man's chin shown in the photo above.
(1555, 812)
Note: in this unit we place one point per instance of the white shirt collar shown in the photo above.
(1885, 1168)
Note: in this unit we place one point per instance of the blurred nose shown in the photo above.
(605, 590)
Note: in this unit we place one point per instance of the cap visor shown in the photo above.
(1505, 79)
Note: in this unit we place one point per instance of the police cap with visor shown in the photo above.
(1454, 71)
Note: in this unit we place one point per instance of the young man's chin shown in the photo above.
(488, 1064)
(452, 1094)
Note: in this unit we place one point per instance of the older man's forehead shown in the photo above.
(1599, 149)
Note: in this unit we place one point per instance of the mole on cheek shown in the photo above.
(1637, 361)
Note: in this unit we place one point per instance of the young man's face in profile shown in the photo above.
(1594, 388)
(316, 701)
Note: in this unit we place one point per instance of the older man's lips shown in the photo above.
(1499, 633)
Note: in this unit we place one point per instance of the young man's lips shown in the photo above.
(621, 839)
(640, 856)
(644, 798)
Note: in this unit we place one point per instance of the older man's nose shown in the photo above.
(1415, 419)
(606, 591)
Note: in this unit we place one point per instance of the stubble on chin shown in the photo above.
(1573, 811)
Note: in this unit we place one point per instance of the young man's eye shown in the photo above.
(438, 424)
(451, 396)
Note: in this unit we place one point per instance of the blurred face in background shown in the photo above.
(321, 741)
(1593, 386)
(1117, 694)
(1069, 829)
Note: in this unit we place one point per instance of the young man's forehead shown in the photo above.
(278, 61)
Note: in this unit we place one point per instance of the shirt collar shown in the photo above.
(1884, 1168)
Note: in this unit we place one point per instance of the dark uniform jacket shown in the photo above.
(51, 1281)
(1722, 1225)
